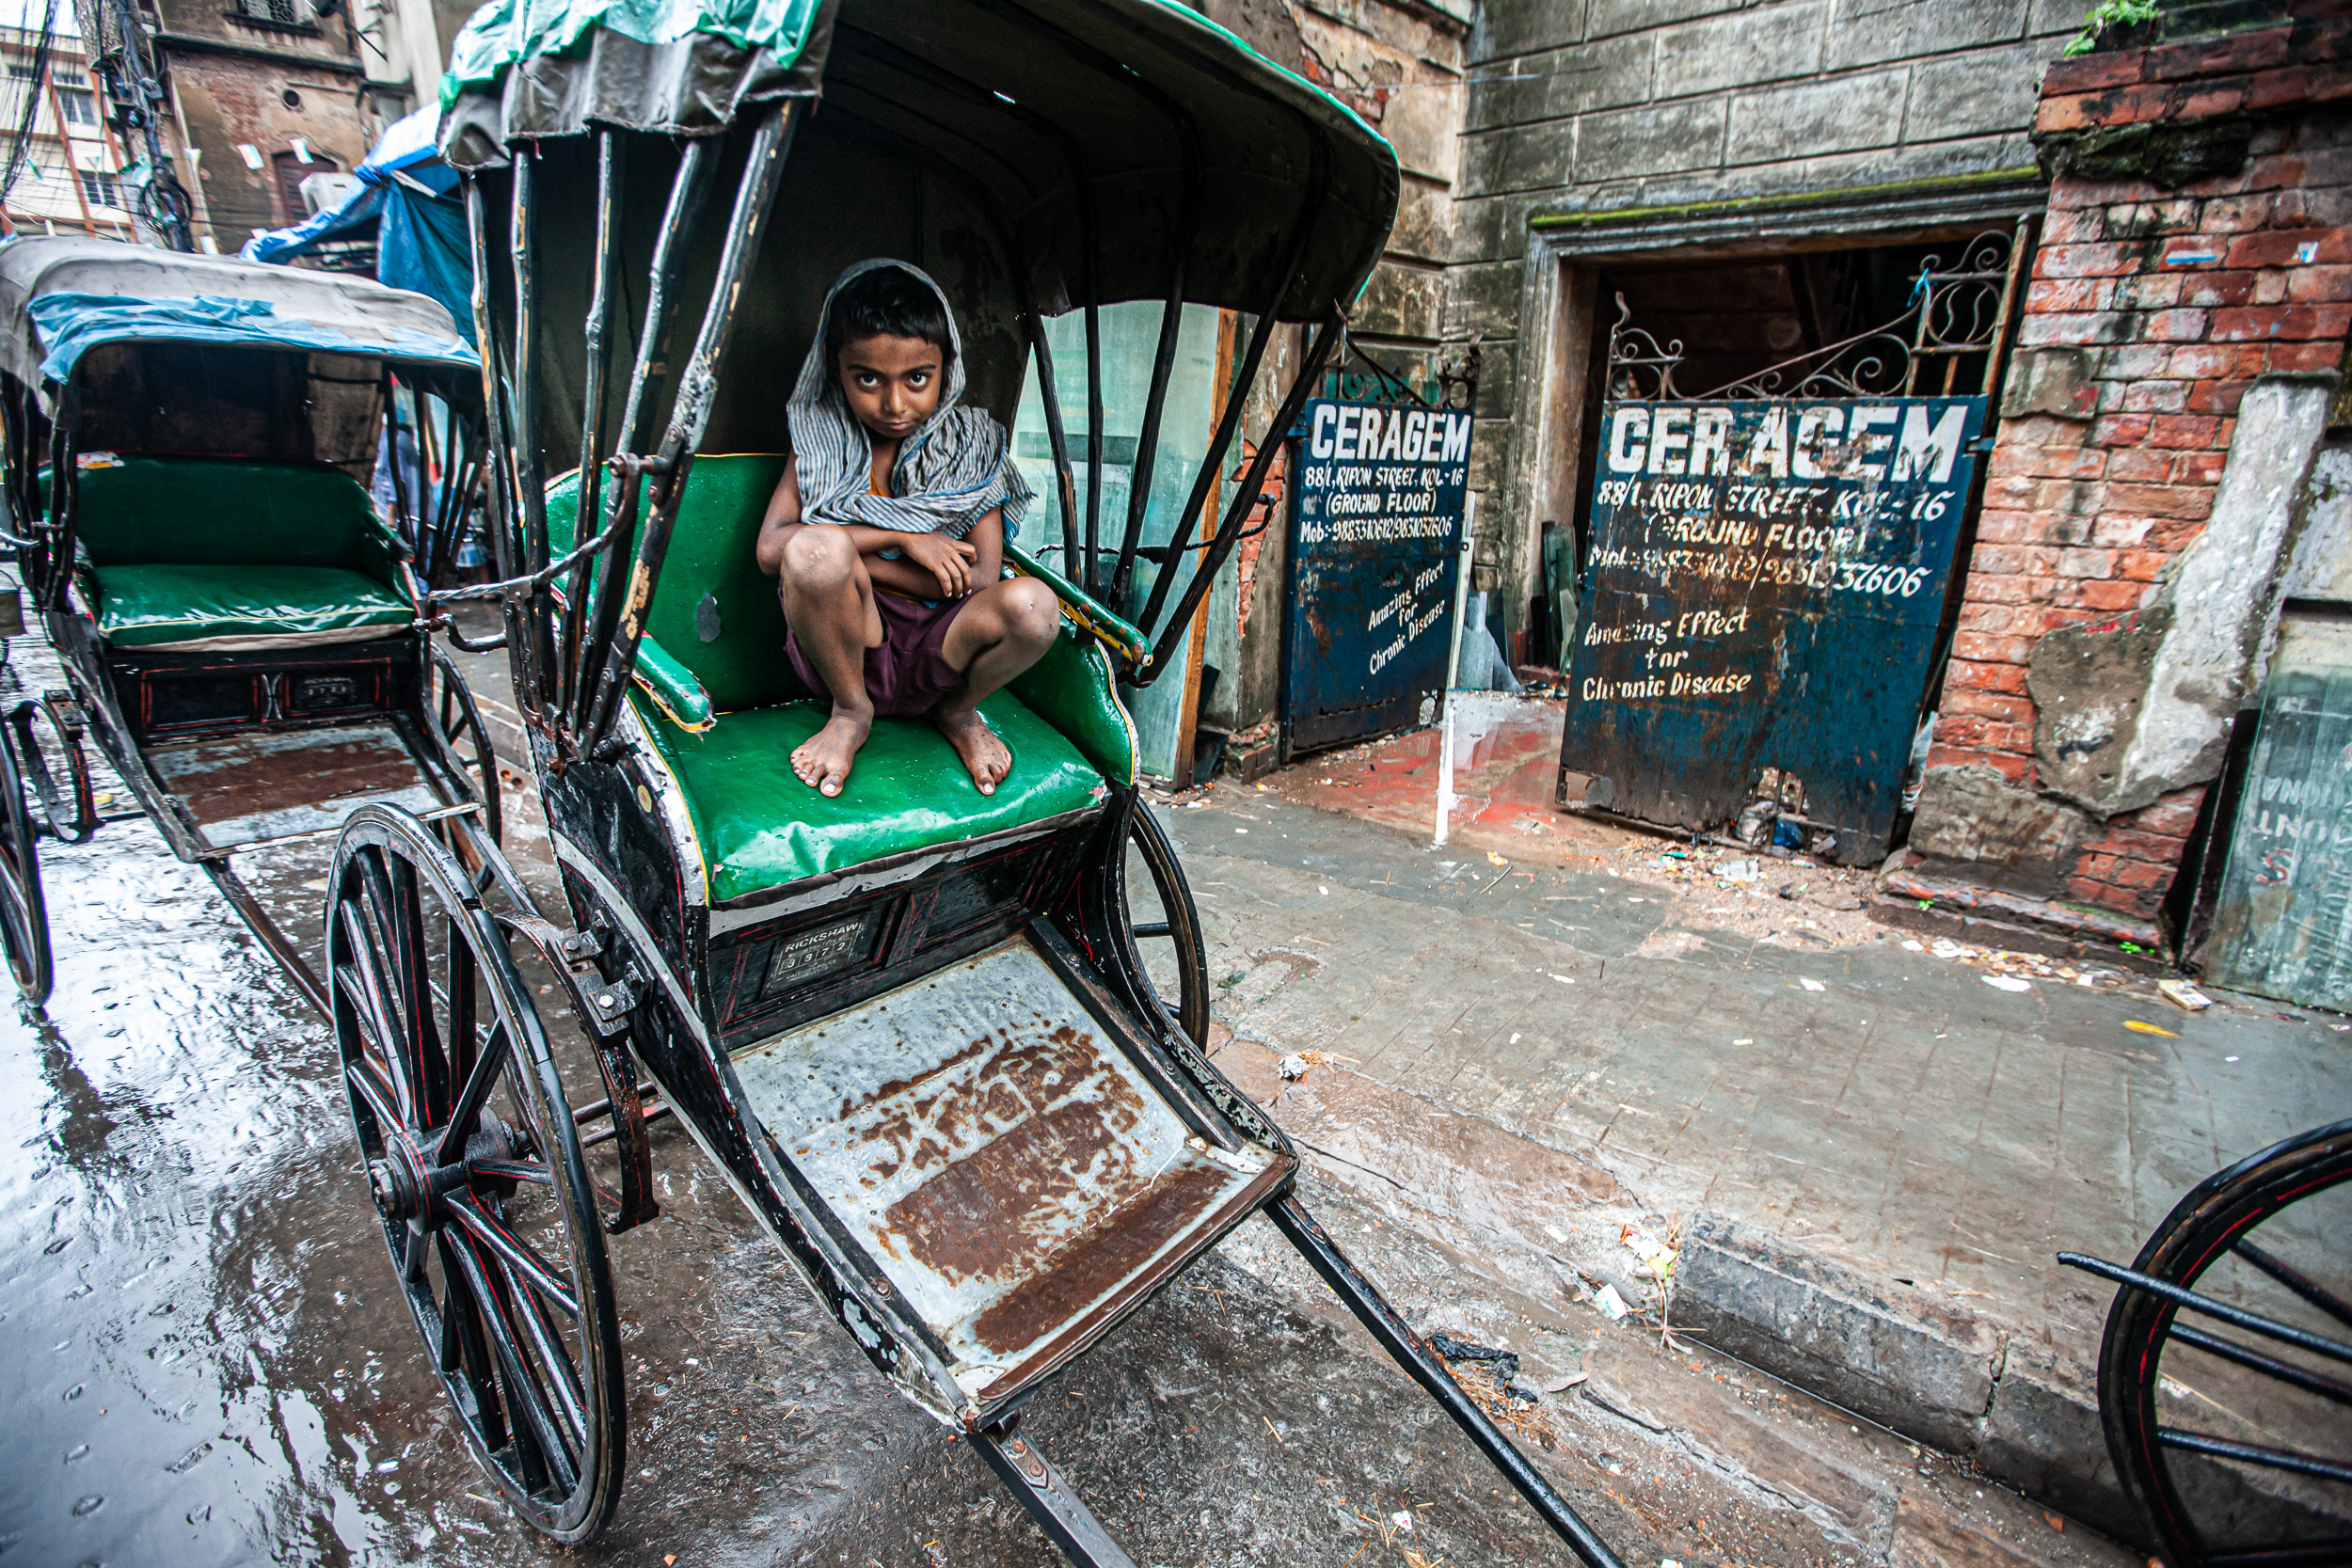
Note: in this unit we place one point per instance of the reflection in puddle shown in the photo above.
(186, 1263)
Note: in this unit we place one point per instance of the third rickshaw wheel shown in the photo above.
(1165, 924)
(23, 913)
(2225, 1376)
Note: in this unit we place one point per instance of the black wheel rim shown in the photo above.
(475, 1169)
(23, 913)
(1164, 924)
(465, 740)
(2234, 1435)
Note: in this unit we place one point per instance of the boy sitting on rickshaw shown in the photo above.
(886, 532)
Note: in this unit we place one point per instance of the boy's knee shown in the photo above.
(1032, 612)
(820, 557)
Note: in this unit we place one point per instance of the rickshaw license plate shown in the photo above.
(814, 952)
(1013, 1173)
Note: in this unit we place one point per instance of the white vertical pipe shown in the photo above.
(1453, 670)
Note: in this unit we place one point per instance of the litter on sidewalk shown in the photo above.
(2182, 994)
(1294, 1065)
(1658, 1258)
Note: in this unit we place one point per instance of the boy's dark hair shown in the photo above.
(887, 302)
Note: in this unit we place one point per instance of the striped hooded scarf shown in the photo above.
(949, 475)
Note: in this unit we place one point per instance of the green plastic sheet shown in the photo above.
(506, 31)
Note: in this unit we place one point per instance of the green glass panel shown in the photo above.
(1130, 335)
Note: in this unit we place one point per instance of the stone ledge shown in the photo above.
(2024, 1412)
(2084, 928)
(1922, 1368)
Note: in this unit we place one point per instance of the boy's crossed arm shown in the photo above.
(927, 565)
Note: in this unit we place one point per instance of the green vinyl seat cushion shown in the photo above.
(241, 607)
(760, 827)
(232, 553)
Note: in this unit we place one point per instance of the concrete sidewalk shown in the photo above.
(1555, 1028)
(1874, 1152)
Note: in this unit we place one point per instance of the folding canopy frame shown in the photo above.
(1042, 117)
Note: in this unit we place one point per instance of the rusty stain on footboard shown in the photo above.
(1020, 1182)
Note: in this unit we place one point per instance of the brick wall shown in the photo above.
(2178, 297)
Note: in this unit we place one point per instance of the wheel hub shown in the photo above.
(397, 1184)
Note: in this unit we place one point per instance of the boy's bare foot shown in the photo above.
(823, 761)
(976, 744)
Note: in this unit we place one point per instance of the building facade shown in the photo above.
(1737, 173)
(2164, 533)
(69, 182)
(258, 96)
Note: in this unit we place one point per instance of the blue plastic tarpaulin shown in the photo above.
(71, 325)
(403, 189)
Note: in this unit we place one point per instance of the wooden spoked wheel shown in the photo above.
(1164, 924)
(2225, 1375)
(464, 742)
(23, 913)
(475, 1169)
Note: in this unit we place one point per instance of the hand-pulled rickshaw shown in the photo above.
(189, 447)
(912, 1025)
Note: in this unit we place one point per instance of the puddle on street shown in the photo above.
(188, 1284)
(210, 1362)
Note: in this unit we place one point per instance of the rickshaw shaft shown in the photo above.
(1397, 1337)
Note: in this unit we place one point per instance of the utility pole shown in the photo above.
(119, 52)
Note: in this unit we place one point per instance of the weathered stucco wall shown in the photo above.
(1623, 107)
(229, 75)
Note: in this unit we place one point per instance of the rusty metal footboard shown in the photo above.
(1019, 1181)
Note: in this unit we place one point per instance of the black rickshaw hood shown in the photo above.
(1133, 93)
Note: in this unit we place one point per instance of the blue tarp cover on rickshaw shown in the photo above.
(405, 190)
(59, 298)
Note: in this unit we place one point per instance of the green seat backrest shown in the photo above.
(741, 664)
(143, 510)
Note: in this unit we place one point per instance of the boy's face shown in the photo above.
(893, 384)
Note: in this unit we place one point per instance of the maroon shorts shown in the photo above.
(909, 673)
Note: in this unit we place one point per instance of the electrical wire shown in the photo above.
(21, 144)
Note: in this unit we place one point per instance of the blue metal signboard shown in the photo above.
(1767, 581)
(1375, 529)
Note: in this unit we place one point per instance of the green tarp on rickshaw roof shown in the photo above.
(61, 297)
(506, 31)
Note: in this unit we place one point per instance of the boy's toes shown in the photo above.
(984, 756)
